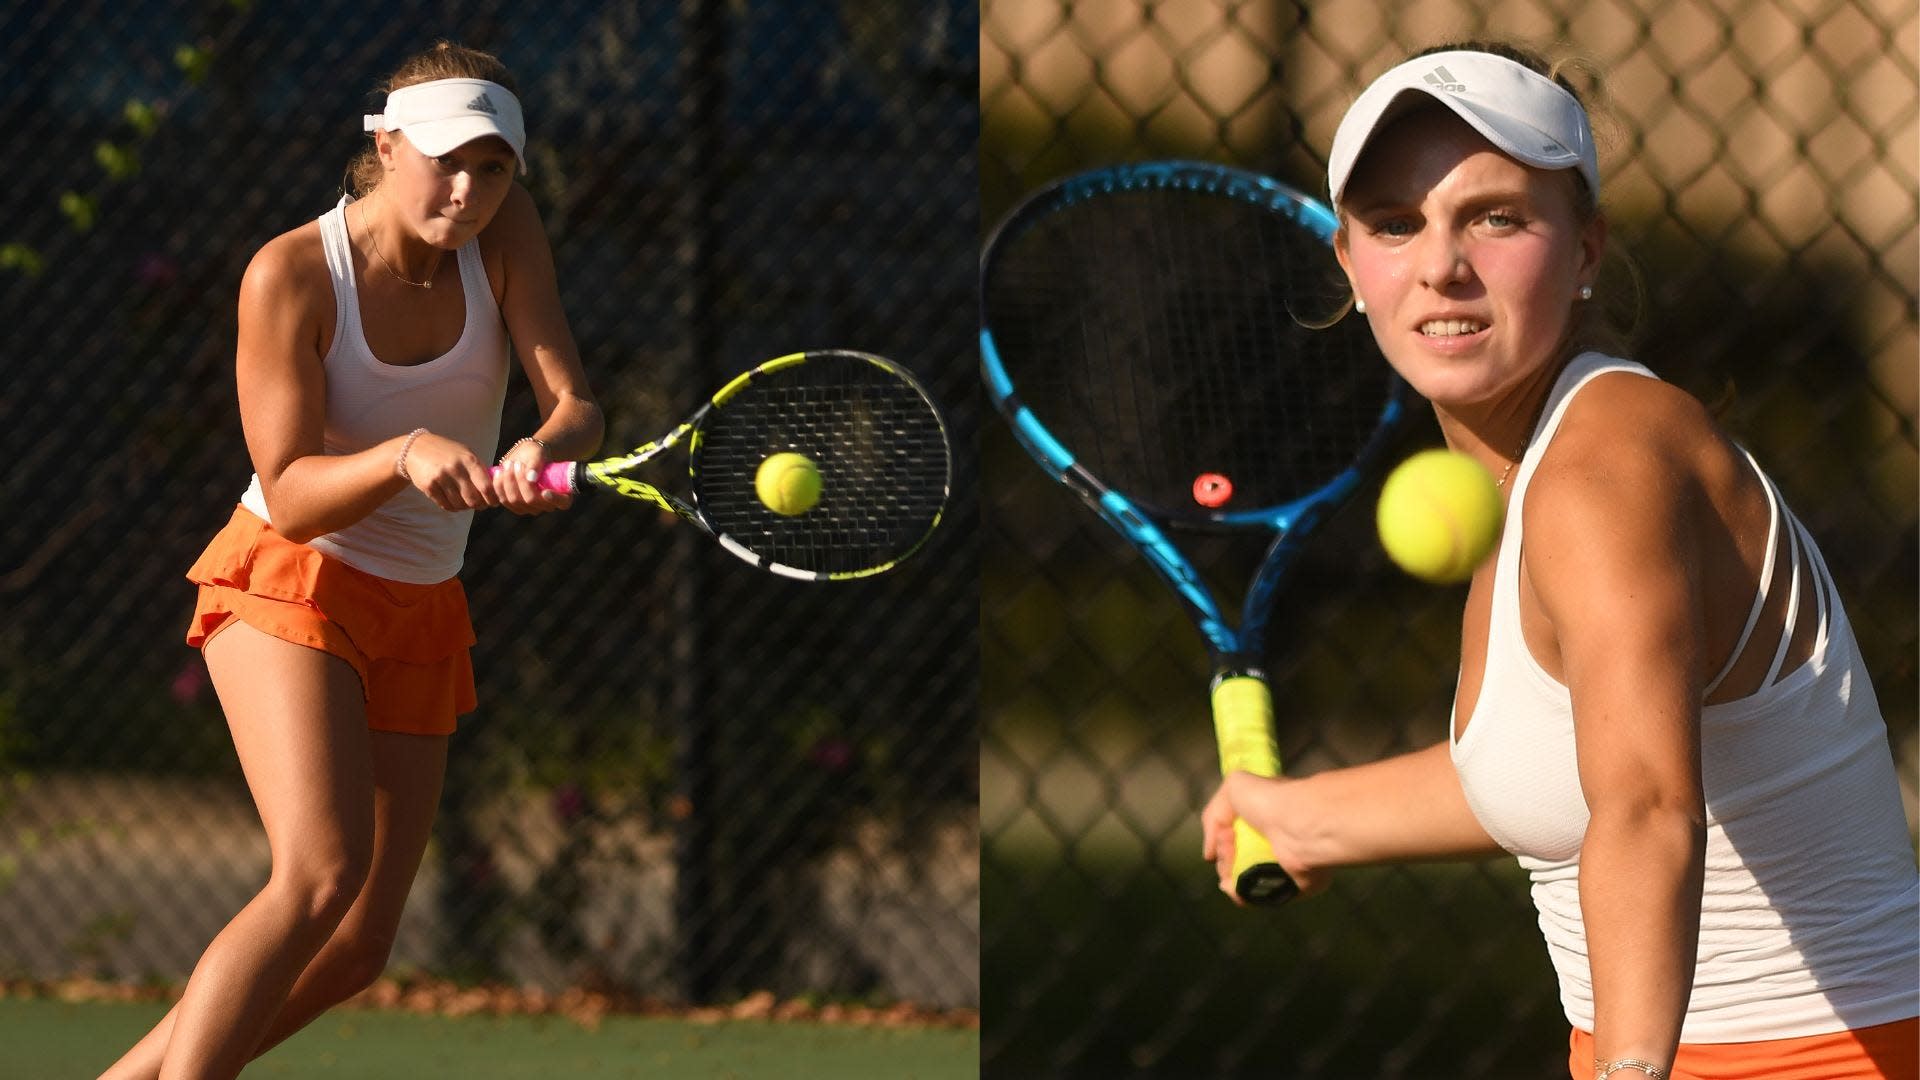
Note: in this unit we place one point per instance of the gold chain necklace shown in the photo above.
(375, 242)
(1508, 471)
(1504, 473)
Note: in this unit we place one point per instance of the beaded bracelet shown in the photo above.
(1604, 1069)
(400, 463)
(548, 450)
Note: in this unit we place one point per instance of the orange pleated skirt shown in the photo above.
(1882, 1052)
(410, 644)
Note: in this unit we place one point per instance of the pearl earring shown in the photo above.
(1359, 305)
(1586, 292)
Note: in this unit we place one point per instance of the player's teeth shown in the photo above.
(1451, 327)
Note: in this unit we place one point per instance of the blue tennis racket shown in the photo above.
(1149, 332)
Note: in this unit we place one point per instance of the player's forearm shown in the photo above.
(573, 430)
(323, 493)
(1403, 808)
(1640, 880)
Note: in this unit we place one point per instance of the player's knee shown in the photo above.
(320, 895)
(361, 958)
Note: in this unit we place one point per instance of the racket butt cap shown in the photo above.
(1265, 884)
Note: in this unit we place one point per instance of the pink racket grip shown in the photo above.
(557, 476)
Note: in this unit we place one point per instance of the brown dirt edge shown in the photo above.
(587, 1008)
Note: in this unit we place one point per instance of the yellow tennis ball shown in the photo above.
(788, 483)
(1439, 515)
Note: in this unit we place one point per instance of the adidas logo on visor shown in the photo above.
(1442, 79)
(481, 104)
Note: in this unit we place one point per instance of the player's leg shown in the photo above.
(408, 771)
(299, 726)
(407, 775)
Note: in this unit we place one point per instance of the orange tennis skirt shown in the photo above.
(408, 643)
(1882, 1052)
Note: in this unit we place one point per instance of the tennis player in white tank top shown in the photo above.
(371, 362)
(1661, 707)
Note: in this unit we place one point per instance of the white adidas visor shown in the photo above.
(438, 116)
(1526, 115)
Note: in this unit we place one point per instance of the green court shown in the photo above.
(51, 1040)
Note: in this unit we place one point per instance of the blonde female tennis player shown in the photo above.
(372, 364)
(1661, 707)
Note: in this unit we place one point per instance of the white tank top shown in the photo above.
(1808, 915)
(457, 394)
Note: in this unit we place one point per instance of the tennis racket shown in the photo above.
(876, 438)
(1144, 332)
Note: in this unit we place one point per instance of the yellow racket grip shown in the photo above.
(1243, 727)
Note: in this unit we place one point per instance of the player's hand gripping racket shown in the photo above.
(1143, 331)
(875, 437)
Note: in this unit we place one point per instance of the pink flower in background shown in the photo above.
(833, 755)
(476, 870)
(569, 803)
(156, 271)
(191, 682)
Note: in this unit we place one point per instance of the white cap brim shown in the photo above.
(1524, 114)
(445, 114)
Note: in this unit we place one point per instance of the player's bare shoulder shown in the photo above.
(515, 235)
(1625, 463)
(1623, 427)
(288, 290)
(289, 264)
(516, 222)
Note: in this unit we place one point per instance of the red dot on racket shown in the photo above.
(1211, 489)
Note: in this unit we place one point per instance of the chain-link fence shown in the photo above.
(687, 779)
(1759, 160)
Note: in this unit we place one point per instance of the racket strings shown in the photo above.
(1164, 333)
(877, 442)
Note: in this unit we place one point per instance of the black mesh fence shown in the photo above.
(686, 779)
(1759, 162)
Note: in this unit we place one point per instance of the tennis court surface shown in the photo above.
(54, 1040)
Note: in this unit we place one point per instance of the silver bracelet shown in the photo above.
(1604, 1069)
(548, 450)
(400, 463)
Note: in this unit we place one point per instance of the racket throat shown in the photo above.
(1236, 668)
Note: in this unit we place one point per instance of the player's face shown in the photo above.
(1469, 262)
(449, 198)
